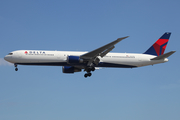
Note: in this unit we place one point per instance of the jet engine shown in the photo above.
(70, 69)
(74, 59)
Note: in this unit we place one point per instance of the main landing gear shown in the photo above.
(15, 65)
(88, 74)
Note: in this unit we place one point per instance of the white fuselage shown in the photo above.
(59, 58)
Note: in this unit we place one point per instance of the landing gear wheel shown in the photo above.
(16, 69)
(87, 74)
(15, 65)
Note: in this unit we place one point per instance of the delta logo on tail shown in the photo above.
(159, 46)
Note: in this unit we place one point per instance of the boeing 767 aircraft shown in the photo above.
(101, 57)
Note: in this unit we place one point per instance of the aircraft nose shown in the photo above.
(7, 58)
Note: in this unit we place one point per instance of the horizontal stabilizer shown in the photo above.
(163, 56)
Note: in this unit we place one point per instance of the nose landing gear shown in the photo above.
(15, 65)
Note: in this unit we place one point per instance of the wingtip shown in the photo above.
(126, 37)
(174, 51)
(123, 37)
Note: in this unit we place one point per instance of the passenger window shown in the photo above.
(10, 54)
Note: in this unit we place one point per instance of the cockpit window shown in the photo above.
(10, 54)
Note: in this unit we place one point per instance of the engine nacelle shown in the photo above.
(74, 59)
(70, 69)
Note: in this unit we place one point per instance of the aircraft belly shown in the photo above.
(119, 62)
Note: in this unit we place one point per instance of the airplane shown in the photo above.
(73, 61)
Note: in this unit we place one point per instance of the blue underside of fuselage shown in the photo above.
(101, 64)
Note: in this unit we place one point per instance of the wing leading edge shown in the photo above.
(92, 57)
(102, 51)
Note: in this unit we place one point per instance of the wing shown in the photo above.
(91, 57)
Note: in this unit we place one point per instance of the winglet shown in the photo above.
(166, 55)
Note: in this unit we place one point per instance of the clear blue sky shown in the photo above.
(45, 93)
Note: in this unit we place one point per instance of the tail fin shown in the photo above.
(159, 46)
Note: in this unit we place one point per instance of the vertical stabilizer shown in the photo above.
(159, 46)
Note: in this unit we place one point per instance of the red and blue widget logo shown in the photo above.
(159, 46)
